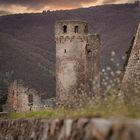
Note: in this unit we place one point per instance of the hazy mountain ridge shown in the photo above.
(27, 45)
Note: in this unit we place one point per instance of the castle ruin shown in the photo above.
(131, 80)
(77, 59)
(22, 99)
(77, 69)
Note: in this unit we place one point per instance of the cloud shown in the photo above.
(4, 13)
(118, 1)
(40, 3)
(21, 6)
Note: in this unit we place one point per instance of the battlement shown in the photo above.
(71, 28)
(66, 38)
(87, 38)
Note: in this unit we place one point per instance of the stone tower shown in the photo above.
(131, 80)
(77, 59)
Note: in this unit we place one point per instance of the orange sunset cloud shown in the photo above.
(27, 6)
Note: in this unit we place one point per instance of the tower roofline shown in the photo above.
(70, 21)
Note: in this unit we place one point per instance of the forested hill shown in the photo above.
(27, 47)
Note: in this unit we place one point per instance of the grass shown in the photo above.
(100, 110)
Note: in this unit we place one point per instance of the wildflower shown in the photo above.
(113, 53)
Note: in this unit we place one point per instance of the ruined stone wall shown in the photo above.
(131, 80)
(70, 129)
(93, 65)
(18, 98)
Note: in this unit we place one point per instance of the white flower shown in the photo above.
(113, 53)
(118, 64)
(103, 70)
(112, 73)
(108, 68)
(106, 77)
(112, 59)
(123, 57)
(118, 72)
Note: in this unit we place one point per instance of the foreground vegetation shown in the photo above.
(100, 110)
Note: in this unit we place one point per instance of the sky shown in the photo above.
(28, 6)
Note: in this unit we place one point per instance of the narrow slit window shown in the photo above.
(76, 29)
(30, 100)
(64, 29)
(65, 50)
(86, 29)
(13, 93)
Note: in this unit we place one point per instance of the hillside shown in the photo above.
(27, 47)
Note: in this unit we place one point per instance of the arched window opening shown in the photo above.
(30, 100)
(64, 29)
(76, 29)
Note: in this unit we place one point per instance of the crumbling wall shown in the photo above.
(92, 75)
(18, 98)
(70, 129)
(131, 80)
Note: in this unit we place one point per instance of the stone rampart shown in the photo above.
(70, 129)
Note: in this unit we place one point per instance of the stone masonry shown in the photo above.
(77, 59)
(70, 129)
(131, 80)
(21, 98)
